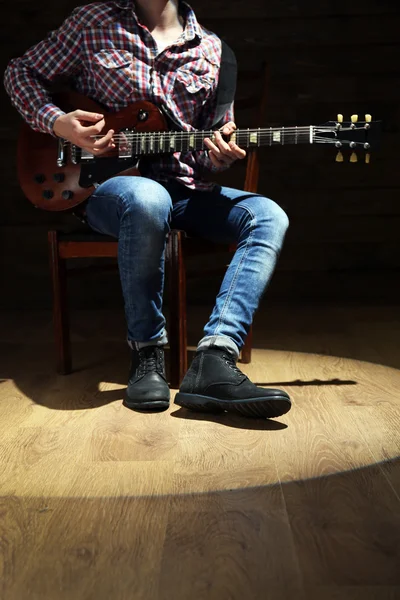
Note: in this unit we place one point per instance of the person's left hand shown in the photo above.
(221, 153)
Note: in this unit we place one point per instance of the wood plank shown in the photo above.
(353, 592)
(381, 29)
(343, 87)
(376, 286)
(258, 9)
(298, 112)
(357, 229)
(310, 256)
(345, 59)
(344, 256)
(343, 202)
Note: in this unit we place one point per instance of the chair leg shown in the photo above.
(246, 350)
(177, 298)
(60, 308)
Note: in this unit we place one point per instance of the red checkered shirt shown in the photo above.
(112, 58)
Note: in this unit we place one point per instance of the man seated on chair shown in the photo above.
(119, 52)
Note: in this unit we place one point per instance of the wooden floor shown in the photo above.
(99, 502)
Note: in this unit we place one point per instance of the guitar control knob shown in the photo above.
(39, 178)
(59, 177)
(47, 194)
(143, 115)
(67, 194)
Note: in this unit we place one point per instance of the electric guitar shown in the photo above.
(56, 175)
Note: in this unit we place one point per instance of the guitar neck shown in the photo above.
(187, 141)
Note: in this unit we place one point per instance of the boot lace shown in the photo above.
(151, 360)
(230, 361)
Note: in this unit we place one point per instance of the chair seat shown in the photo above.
(193, 245)
(82, 236)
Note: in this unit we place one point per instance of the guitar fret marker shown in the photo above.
(254, 138)
(276, 136)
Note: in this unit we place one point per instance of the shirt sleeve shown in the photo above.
(28, 77)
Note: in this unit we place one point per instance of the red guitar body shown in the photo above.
(57, 188)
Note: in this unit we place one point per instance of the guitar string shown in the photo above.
(201, 135)
(204, 134)
(286, 134)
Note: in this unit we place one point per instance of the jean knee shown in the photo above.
(269, 213)
(278, 217)
(271, 221)
(147, 200)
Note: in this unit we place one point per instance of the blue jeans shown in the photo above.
(139, 212)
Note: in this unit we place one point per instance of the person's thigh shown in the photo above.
(144, 197)
(222, 214)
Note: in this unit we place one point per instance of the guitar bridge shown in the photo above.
(61, 154)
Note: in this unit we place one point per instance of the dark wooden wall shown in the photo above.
(325, 57)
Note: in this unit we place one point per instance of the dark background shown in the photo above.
(325, 57)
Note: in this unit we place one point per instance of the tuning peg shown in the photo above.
(367, 158)
(340, 118)
(339, 157)
(353, 157)
(368, 118)
(354, 118)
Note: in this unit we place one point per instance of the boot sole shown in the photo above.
(267, 407)
(147, 405)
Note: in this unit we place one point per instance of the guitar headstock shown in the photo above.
(353, 134)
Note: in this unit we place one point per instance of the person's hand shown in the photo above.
(223, 153)
(74, 127)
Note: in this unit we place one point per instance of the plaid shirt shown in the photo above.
(113, 59)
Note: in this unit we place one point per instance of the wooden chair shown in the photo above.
(63, 247)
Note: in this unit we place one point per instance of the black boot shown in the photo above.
(147, 386)
(214, 383)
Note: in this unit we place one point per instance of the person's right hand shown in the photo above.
(74, 127)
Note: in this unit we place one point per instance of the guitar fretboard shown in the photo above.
(136, 144)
